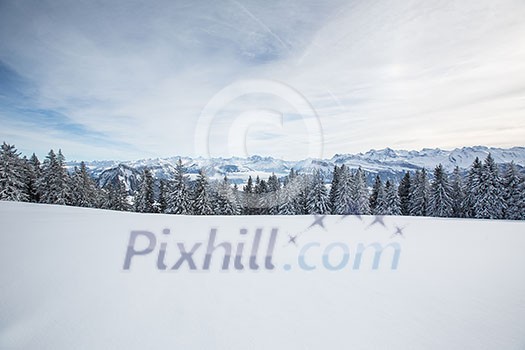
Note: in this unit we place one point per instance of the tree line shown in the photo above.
(482, 192)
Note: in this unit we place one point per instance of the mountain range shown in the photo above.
(388, 163)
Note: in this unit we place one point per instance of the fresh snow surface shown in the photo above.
(460, 284)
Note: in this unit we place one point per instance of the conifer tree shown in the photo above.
(286, 201)
(54, 185)
(273, 183)
(12, 184)
(440, 203)
(84, 190)
(226, 200)
(33, 174)
(334, 188)
(249, 200)
(513, 194)
(202, 202)
(318, 200)
(521, 205)
(105, 198)
(261, 191)
(179, 196)
(360, 193)
(145, 201)
(238, 200)
(457, 194)
(391, 200)
(271, 199)
(491, 197)
(162, 204)
(343, 195)
(303, 188)
(378, 186)
(289, 194)
(472, 204)
(404, 194)
(381, 201)
(419, 196)
(118, 197)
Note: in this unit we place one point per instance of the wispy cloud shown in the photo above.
(130, 79)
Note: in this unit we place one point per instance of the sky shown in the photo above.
(289, 79)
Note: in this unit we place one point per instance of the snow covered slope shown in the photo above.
(457, 284)
(387, 162)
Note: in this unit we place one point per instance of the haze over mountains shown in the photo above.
(387, 162)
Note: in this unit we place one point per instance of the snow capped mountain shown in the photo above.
(386, 162)
(388, 159)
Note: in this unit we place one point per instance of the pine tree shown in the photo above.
(419, 196)
(380, 195)
(303, 188)
(33, 174)
(162, 204)
(472, 204)
(521, 205)
(54, 185)
(83, 188)
(404, 194)
(360, 193)
(75, 186)
(202, 203)
(491, 198)
(145, 201)
(440, 203)
(289, 194)
(343, 195)
(391, 202)
(334, 188)
(318, 200)
(248, 198)
(226, 200)
(118, 197)
(378, 186)
(179, 197)
(457, 194)
(12, 180)
(286, 201)
(64, 177)
(273, 183)
(271, 199)
(105, 198)
(249, 185)
(238, 209)
(261, 191)
(513, 193)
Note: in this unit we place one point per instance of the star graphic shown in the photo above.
(292, 239)
(399, 232)
(378, 219)
(318, 221)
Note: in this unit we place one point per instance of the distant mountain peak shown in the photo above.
(387, 162)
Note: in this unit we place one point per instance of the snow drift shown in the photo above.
(457, 284)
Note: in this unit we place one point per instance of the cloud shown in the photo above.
(136, 75)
